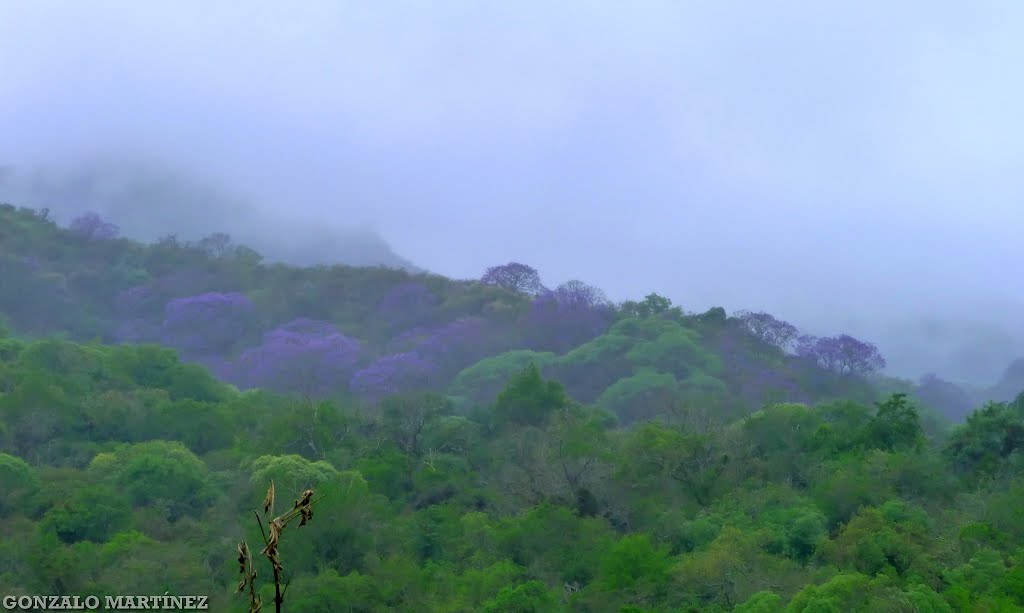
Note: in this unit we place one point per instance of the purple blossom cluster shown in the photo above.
(208, 323)
(393, 374)
(305, 355)
(420, 358)
(843, 354)
(455, 340)
(92, 227)
(753, 382)
(567, 316)
(464, 336)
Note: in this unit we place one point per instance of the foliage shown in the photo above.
(566, 317)
(659, 462)
(896, 425)
(534, 503)
(91, 227)
(528, 399)
(482, 381)
(17, 483)
(513, 276)
(843, 354)
(651, 305)
(768, 329)
(990, 442)
(162, 474)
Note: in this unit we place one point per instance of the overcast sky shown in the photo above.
(851, 166)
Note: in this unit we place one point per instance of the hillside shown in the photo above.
(489, 445)
(256, 324)
(126, 471)
(151, 200)
(371, 331)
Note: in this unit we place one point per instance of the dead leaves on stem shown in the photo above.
(303, 509)
(248, 571)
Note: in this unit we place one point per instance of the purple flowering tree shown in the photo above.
(424, 358)
(769, 329)
(92, 227)
(456, 343)
(152, 296)
(843, 354)
(208, 323)
(563, 318)
(395, 374)
(407, 304)
(751, 380)
(304, 355)
(450, 347)
(576, 293)
(514, 276)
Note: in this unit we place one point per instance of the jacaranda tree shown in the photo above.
(208, 323)
(304, 355)
(769, 329)
(449, 347)
(514, 276)
(92, 227)
(843, 354)
(566, 317)
(394, 374)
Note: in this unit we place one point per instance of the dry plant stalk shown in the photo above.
(248, 570)
(303, 508)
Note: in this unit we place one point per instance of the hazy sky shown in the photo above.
(847, 165)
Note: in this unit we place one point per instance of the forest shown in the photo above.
(472, 445)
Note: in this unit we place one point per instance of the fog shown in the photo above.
(849, 166)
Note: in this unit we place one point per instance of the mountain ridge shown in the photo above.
(149, 201)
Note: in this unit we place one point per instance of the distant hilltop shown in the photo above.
(148, 201)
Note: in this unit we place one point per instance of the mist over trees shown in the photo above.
(667, 307)
(485, 445)
(152, 199)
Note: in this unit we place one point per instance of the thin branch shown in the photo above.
(287, 583)
(262, 531)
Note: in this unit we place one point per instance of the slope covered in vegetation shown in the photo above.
(482, 446)
(369, 332)
(127, 471)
